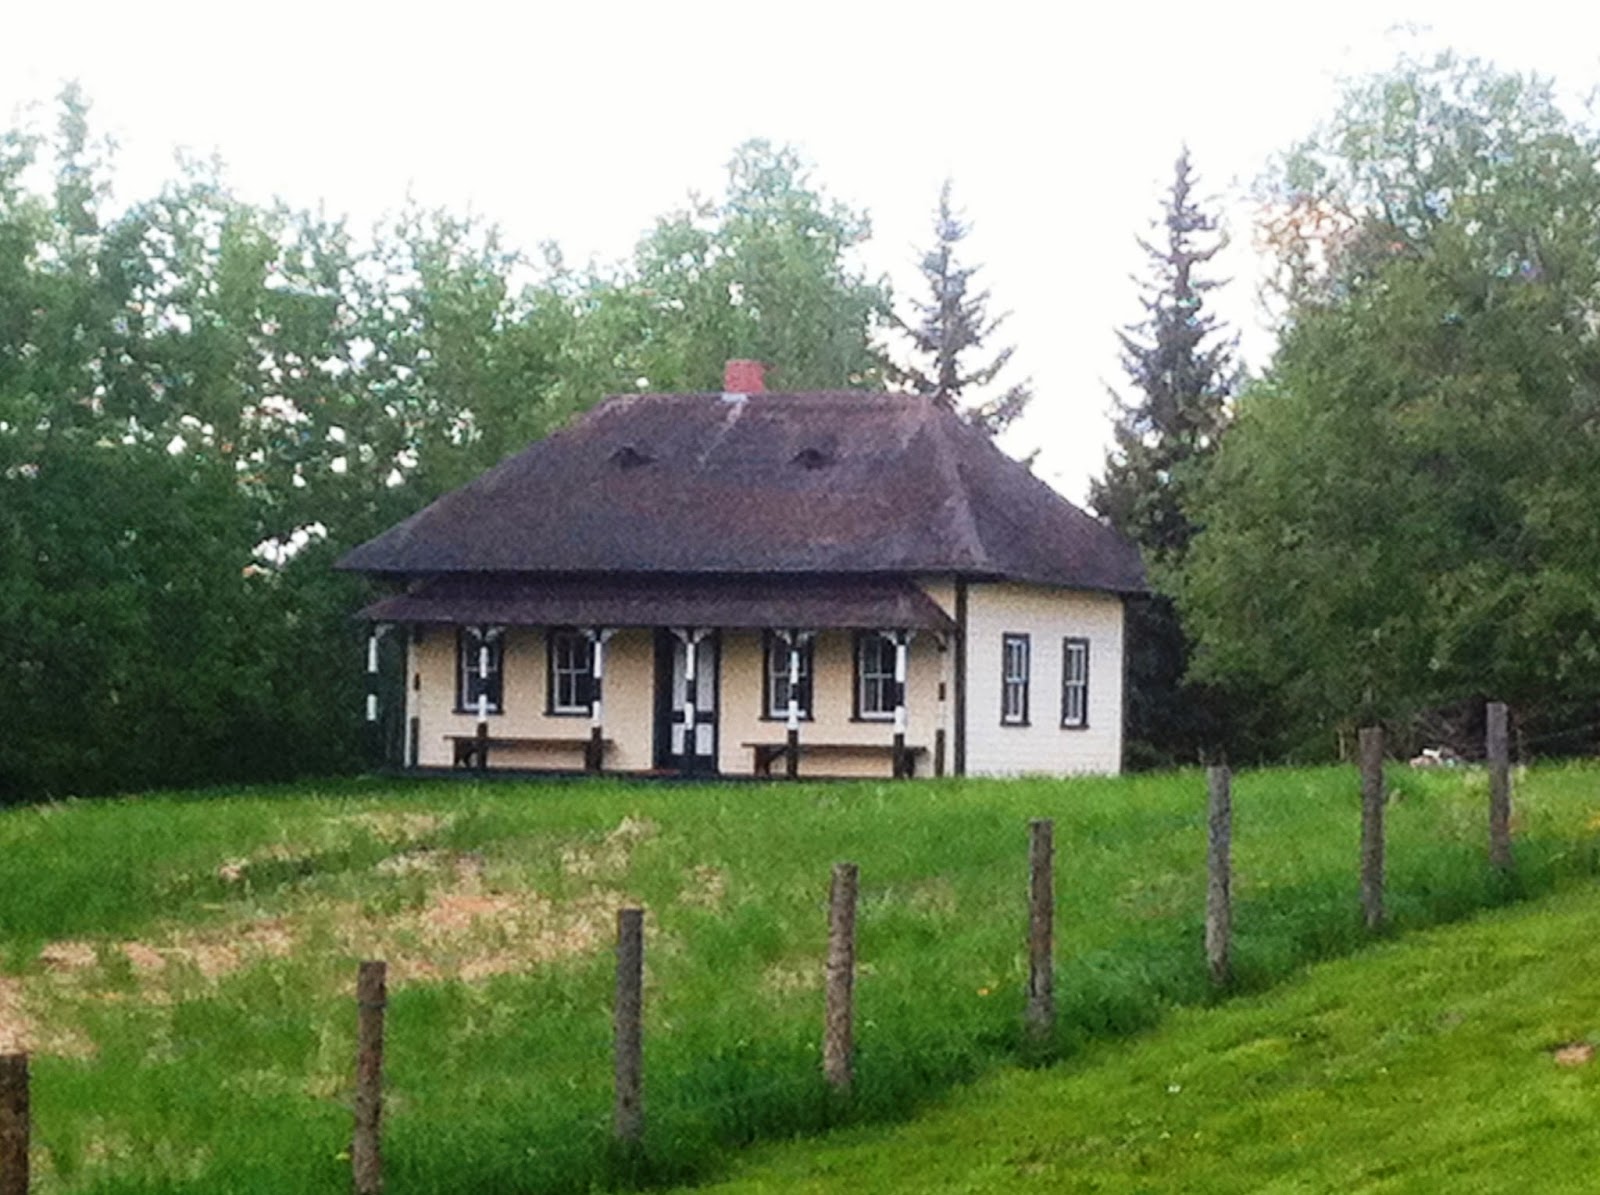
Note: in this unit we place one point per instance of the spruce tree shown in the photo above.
(1181, 365)
(952, 325)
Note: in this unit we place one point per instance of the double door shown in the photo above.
(678, 747)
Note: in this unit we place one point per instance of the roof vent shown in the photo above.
(813, 457)
(629, 457)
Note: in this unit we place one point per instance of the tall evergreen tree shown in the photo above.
(953, 324)
(1181, 364)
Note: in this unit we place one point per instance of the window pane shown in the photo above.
(1014, 679)
(570, 665)
(471, 643)
(778, 679)
(1075, 683)
(875, 663)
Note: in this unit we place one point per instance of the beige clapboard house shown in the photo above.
(755, 583)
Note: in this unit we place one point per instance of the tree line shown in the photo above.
(204, 400)
(1396, 519)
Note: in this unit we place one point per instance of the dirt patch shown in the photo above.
(1578, 1053)
(68, 956)
(458, 912)
(22, 1032)
(388, 826)
(213, 953)
(706, 888)
(464, 929)
(610, 855)
(784, 979)
(396, 826)
(17, 1029)
(144, 959)
(465, 933)
(420, 862)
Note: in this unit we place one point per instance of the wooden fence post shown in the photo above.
(14, 1124)
(1219, 873)
(1499, 753)
(1041, 930)
(1372, 798)
(366, 1156)
(839, 1013)
(628, 1025)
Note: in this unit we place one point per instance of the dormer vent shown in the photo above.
(813, 457)
(629, 456)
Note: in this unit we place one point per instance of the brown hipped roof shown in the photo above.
(818, 483)
(680, 601)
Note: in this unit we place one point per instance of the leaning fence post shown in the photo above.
(1499, 752)
(1372, 798)
(1041, 930)
(838, 1032)
(628, 1025)
(14, 1124)
(1219, 873)
(366, 1158)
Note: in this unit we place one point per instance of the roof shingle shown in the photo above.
(824, 482)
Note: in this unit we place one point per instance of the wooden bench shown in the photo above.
(465, 753)
(764, 755)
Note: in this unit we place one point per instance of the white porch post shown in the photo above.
(901, 640)
(372, 673)
(593, 755)
(796, 640)
(483, 699)
(375, 744)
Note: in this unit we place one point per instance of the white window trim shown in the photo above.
(1075, 647)
(557, 672)
(884, 677)
(1015, 683)
(778, 674)
(467, 667)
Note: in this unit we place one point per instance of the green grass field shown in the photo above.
(183, 965)
(1460, 1059)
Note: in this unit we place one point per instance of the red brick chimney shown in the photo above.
(744, 377)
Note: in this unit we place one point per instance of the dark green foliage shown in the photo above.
(1402, 517)
(203, 402)
(952, 324)
(1180, 364)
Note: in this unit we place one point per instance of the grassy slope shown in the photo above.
(1423, 1065)
(237, 1081)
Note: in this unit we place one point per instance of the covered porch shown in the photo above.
(675, 675)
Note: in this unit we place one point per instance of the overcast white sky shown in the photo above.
(581, 122)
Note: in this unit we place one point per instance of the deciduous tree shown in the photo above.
(1401, 516)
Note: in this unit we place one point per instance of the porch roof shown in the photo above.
(749, 601)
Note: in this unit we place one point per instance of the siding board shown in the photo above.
(1047, 616)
